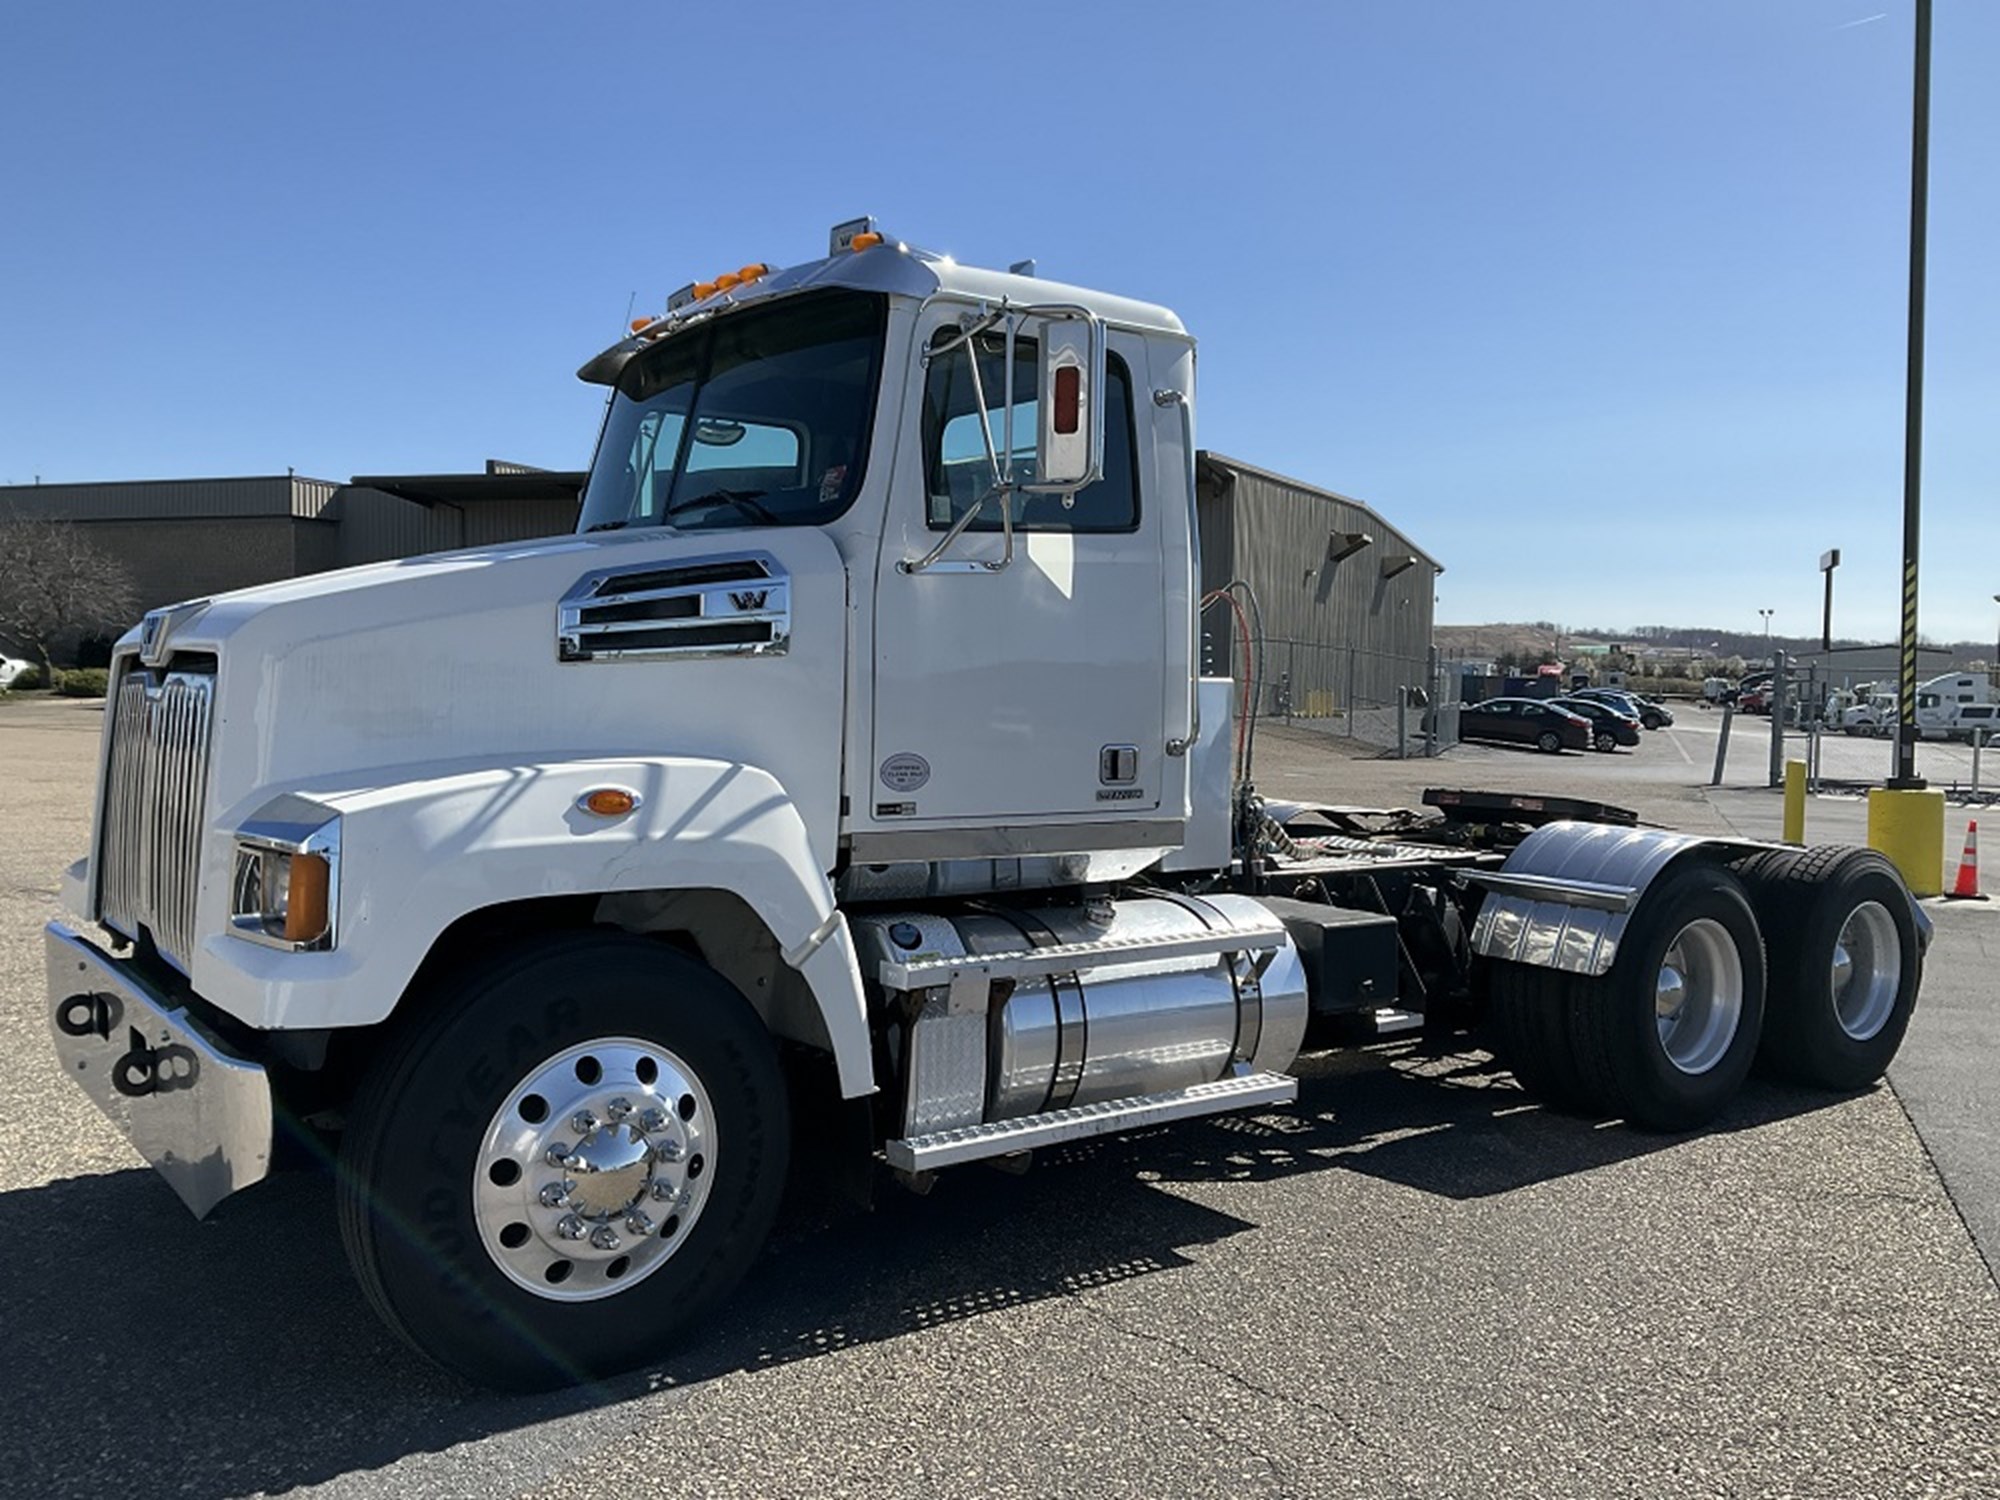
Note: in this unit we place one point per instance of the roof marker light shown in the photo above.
(727, 281)
(840, 238)
(866, 241)
(703, 290)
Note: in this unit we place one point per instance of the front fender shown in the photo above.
(424, 846)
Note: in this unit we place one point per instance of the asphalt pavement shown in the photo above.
(1412, 1283)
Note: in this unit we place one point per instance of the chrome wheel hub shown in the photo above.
(1698, 996)
(1867, 971)
(594, 1169)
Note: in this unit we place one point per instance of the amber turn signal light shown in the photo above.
(608, 801)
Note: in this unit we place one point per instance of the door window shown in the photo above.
(956, 469)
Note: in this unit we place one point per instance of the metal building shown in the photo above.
(186, 538)
(1347, 599)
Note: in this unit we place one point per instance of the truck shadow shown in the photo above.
(238, 1355)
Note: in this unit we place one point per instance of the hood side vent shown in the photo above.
(737, 605)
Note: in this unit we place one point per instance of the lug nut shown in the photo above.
(653, 1119)
(557, 1155)
(555, 1194)
(617, 1110)
(669, 1151)
(663, 1191)
(638, 1223)
(570, 1227)
(583, 1122)
(604, 1237)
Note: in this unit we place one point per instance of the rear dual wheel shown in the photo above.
(1845, 963)
(1666, 1036)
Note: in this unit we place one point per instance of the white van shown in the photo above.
(1956, 705)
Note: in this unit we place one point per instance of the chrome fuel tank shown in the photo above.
(1118, 1013)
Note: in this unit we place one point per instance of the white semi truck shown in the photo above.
(851, 751)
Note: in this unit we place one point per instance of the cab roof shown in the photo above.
(898, 270)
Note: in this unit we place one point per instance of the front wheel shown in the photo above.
(573, 1153)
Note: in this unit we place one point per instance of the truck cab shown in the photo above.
(847, 770)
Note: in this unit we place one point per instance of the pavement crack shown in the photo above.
(1234, 1377)
(1944, 1183)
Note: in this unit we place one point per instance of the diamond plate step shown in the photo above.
(1060, 958)
(947, 1148)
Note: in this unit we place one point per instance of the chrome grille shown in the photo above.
(149, 856)
(734, 605)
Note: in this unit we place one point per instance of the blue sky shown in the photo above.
(1601, 299)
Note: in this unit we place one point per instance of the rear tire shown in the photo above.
(1605, 740)
(1549, 742)
(1845, 964)
(445, 1160)
(1528, 1012)
(1667, 1037)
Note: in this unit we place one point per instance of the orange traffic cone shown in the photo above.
(1967, 888)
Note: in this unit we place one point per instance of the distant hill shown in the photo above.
(1529, 639)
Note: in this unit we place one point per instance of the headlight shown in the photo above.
(284, 882)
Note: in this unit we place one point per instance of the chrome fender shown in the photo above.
(1565, 895)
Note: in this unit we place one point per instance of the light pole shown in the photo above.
(1767, 613)
(1906, 777)
(1996, 649)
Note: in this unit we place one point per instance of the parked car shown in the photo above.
(1525, 721)
(1754, 700)
(1609, 727)
(1650, 712)
(10, 668)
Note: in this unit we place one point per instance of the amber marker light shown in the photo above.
(306, 898)
(608, 801)
(703, 290)
(867, 241)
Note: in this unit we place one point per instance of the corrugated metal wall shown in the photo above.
(162, 499)
(1337, 633)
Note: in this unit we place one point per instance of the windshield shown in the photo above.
(757, 418)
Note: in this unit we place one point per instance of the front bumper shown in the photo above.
(199, 1113)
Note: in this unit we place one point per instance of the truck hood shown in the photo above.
(454, 656)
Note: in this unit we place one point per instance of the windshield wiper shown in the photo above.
(608, 526)
(744, 500)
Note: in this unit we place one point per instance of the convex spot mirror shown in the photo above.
(1069, 445)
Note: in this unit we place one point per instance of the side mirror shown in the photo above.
(1069, 445)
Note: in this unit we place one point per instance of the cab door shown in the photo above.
(1015, 706)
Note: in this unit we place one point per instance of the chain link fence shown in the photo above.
(1392, 702)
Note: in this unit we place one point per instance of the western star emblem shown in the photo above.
(749, 598)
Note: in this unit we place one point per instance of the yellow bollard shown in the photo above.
(1795, 802)
(1908, 826)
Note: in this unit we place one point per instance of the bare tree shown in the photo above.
(57, 586)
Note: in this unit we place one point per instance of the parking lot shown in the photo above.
(1412, 1283)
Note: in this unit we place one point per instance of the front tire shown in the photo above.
(574, 1152)
(1549, 742)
